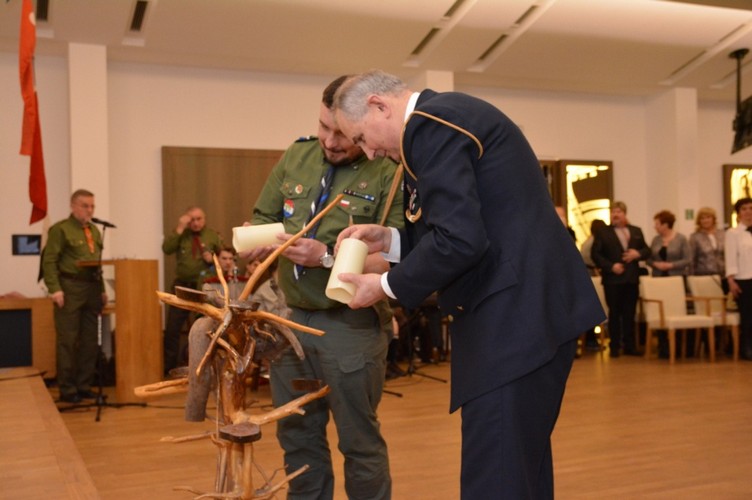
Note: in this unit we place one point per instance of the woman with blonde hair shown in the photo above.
(706, 245)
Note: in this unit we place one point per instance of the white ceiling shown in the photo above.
(622, 47)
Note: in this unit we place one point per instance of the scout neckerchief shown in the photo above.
(89, 238)
(316, 205)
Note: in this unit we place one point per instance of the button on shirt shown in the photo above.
(739, 253)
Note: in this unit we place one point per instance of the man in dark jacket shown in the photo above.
(482, 231)
(617, 251)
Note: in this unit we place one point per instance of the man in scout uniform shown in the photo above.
(193, 245)
(351, 356)
(78, 294)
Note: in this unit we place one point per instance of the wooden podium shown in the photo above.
(138, 325)
(42, 330)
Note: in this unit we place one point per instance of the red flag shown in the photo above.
(37, 179)
(31, 139)
(26, 45)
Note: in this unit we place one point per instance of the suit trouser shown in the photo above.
(351, 359)
(506, 434)
(76, 326)
(744, 302)
(176, 318)
(622, 306)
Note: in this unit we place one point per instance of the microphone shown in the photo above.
(103, 222)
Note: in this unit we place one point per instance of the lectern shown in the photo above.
(138, 325)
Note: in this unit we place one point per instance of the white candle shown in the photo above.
(245, 238)
(351, 258)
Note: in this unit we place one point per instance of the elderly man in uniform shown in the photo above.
(78, 294)
(351, 356)
(193, 245)
(482, 231)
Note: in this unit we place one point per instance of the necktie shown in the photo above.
(316, 205)
(89, 238)
(196, 247)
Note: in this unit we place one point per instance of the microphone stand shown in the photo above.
(101, 400)
(411, 369)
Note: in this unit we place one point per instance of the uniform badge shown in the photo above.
(298, 189)
(413, 211)
(288, 208)
(363, 185)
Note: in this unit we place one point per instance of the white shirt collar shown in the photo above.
(411, 104)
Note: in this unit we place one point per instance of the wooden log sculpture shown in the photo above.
(225, 345)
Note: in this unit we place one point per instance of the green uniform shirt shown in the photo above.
(66, 245)
(189, 266)
(287, 195)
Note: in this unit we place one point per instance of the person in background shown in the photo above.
(591, 343)
(351, 356)
(706, 246)
(517, 298)
(193, 245)
(251, 266)
(208, 280)
(669, 256)
(738, 243)
(587, 246)
(78, 294)
(562, 213)
(669, 250)
(617, 251)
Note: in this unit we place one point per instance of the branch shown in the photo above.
(199, 307)
(162, 388)
(273, 317)
(283, 411)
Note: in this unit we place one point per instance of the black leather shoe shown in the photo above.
(87, 395)
(73, 398)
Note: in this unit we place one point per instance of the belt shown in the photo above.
(77, 277)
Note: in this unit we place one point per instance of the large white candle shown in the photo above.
(351, 258)
(245, 238)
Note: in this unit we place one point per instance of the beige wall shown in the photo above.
(153, 106)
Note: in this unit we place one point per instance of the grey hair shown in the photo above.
(351, 97)
(80, 193)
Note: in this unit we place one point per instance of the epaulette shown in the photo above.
(307, 138)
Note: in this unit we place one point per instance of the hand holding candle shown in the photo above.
(246, 238)
(350, 258)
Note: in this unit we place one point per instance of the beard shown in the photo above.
(341, 158)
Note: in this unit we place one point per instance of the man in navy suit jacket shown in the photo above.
(483, 232)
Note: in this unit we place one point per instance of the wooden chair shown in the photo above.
(710, 301)
(664, 302)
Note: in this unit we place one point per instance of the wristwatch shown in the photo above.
(327, 260)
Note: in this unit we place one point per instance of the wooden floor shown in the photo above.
(629, 428)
